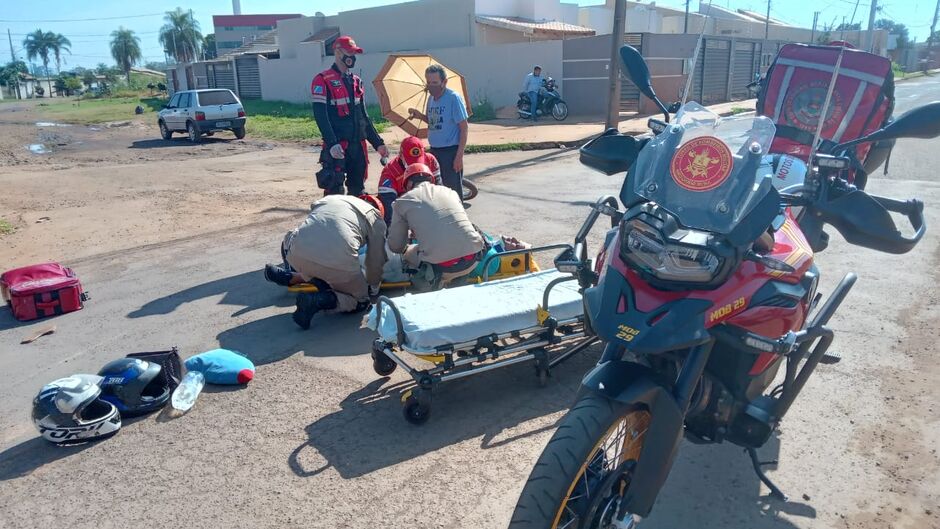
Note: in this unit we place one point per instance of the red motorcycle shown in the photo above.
(704, 291)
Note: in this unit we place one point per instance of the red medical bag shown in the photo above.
(41, 290)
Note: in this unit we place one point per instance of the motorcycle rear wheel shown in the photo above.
(585, 468)
(560, 111)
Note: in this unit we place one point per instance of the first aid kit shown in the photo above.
(42, 290)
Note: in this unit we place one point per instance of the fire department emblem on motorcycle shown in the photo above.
(701, 164)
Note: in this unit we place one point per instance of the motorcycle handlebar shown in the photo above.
(913, 209)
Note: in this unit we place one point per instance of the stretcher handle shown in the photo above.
(400, 331)
(551, 285)
(486, 262)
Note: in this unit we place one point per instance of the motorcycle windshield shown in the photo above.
(705, 170)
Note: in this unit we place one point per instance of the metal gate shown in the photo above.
(249, 78)
(629, 93)
(746, 59)
(712, 69)
(221, 76)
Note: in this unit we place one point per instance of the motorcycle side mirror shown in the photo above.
(639, 74)
(921, 122)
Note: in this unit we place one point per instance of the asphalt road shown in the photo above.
(317, 440)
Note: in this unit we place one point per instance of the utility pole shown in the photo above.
(686, 30)
(767, 22)
(616, 41)
(933, 27)
(12, 55)
(812, 37)
(842, 34)
(871, 25)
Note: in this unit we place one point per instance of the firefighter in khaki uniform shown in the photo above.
(340, 113)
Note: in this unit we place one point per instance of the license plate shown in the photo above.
(221, 124)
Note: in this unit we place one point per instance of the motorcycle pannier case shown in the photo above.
(42, 290)
(794, 90)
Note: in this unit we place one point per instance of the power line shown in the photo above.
(86, 19)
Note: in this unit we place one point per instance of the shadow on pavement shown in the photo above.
(369, 432)
(248, 290)
(277, 337)
(21, 460)
(160, 143)
(516, 165)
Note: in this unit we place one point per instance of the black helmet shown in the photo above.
(134, 386)
(69, 410)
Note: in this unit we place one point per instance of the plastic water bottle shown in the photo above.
(186, 393)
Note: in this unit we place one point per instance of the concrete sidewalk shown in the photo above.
(548, 133)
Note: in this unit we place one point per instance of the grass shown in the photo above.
(483, 110)
(274, 120)
(740, 110)
(6, 228)
(89, 111)
(497, 147)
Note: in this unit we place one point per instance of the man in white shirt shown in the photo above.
(531, 85)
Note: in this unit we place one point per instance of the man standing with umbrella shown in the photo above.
(340, 113)
(446, 115)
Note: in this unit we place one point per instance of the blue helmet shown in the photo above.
(134, 386)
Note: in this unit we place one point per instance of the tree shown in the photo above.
(39, 44)
(180, 35)
(156, 65)
(849, 27)
(125, 48)
(89, 78)
(60, 44)
(12, 73)
(895, 28)
(208, 46)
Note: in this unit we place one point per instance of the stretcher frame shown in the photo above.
(548, 343)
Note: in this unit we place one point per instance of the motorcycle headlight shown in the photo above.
(648, 251)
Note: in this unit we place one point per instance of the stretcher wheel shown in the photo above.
(382, 364)
(416, 406)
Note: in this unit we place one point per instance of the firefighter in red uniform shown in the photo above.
(340, 113)
(392, 181)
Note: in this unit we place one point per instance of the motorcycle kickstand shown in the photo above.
(775, 492)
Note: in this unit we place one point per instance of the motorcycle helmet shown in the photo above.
(134, 386)
(549, 84)
(417, 170)
(374, 202)
(70, 410)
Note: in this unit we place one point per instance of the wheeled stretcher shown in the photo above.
(471, 329)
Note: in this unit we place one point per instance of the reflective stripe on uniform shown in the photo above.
(340, 101)
(319, 99)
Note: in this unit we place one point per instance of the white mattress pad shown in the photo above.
(466, 313)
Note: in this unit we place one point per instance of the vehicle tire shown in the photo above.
(239, 133)
(165, 132)
(560, 111)
(573, 480)
(470, 190)
(193, 132)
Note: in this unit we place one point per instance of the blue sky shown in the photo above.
(90, 37)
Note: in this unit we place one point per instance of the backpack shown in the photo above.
(794, 90)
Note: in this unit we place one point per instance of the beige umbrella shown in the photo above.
(400, 85)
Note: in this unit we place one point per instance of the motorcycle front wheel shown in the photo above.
(585, 469)
(469, 190)
(560, 110)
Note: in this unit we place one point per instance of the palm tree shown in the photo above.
(39, 44)
(60, 44)
(180, 35)
(125, 48)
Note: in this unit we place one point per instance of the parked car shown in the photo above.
(198, 112)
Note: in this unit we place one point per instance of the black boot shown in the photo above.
(277, 275)
(310, 303)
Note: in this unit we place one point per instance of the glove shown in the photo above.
(336, 152)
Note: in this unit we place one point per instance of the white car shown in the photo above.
(198, 112)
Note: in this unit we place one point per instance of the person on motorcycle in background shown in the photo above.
(324, 250)
(532, 85)
(392, 181)
(448, 245)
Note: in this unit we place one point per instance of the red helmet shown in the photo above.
(374, 202)
(417, 169)
(412, 151)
